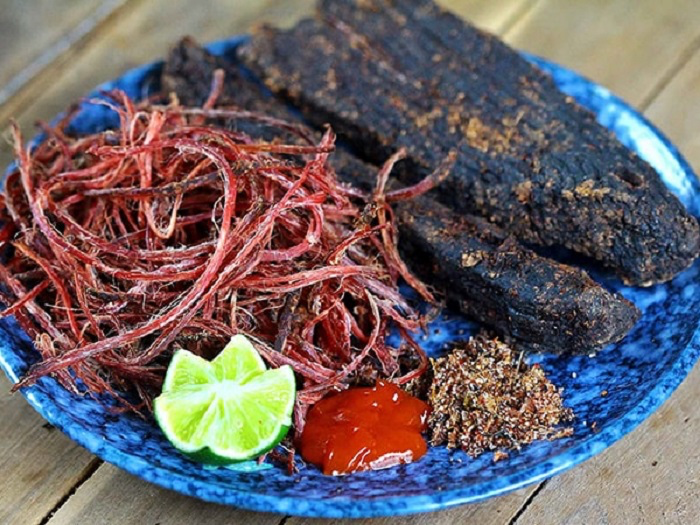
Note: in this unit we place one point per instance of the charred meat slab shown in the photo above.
(404, 73)
(482, 269)
(494, 279)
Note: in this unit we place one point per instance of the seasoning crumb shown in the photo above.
(574, 375)
(484, 399)
(654, 463)
(559, 434)
(500, 455)
(604, 393)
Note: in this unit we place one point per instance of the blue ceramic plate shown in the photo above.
(639, 374)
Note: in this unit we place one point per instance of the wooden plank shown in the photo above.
(35, 33)
(29, 28)
(497, 511)
(113, 496)
(676, 109)
(650, 476)
(39, 464)
(627, 46)
(496, 16)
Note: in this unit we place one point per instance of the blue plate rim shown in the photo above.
(341, 506)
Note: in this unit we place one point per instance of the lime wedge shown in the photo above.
(228, 410)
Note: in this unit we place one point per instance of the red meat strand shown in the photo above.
(173, 231)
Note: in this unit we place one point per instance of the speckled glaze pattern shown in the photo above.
(638, 374)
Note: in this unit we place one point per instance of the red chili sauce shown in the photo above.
(365, 429)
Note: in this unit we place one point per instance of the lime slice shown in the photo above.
(228, 410)
(236, 361)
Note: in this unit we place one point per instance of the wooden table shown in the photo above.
(647, 51)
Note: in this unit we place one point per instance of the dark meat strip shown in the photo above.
(189, 73)
(404, 73)
(549, 305)
(492, 278)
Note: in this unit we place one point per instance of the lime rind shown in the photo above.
(229, 410)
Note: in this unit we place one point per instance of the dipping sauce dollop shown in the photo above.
(365, 429)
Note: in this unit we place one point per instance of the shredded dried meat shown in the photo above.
(172, 231)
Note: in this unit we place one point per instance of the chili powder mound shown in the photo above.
(485, 398)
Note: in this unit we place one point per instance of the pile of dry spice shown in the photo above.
(485, 398)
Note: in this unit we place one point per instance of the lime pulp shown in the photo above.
(228, 410)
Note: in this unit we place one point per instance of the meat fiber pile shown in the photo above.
(174, 231)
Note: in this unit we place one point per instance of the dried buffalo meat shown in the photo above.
(404, 73)
(496, 280)
(487, 274)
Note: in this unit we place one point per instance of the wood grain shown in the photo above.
(29, 29)
(113, 496)
(39, 465)
(135, 36)
(650, 476)
(677, 108)
(496, 16)
(497, 511)
(625, 45)
(36, 34)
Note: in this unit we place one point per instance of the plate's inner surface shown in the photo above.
(637, 375)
